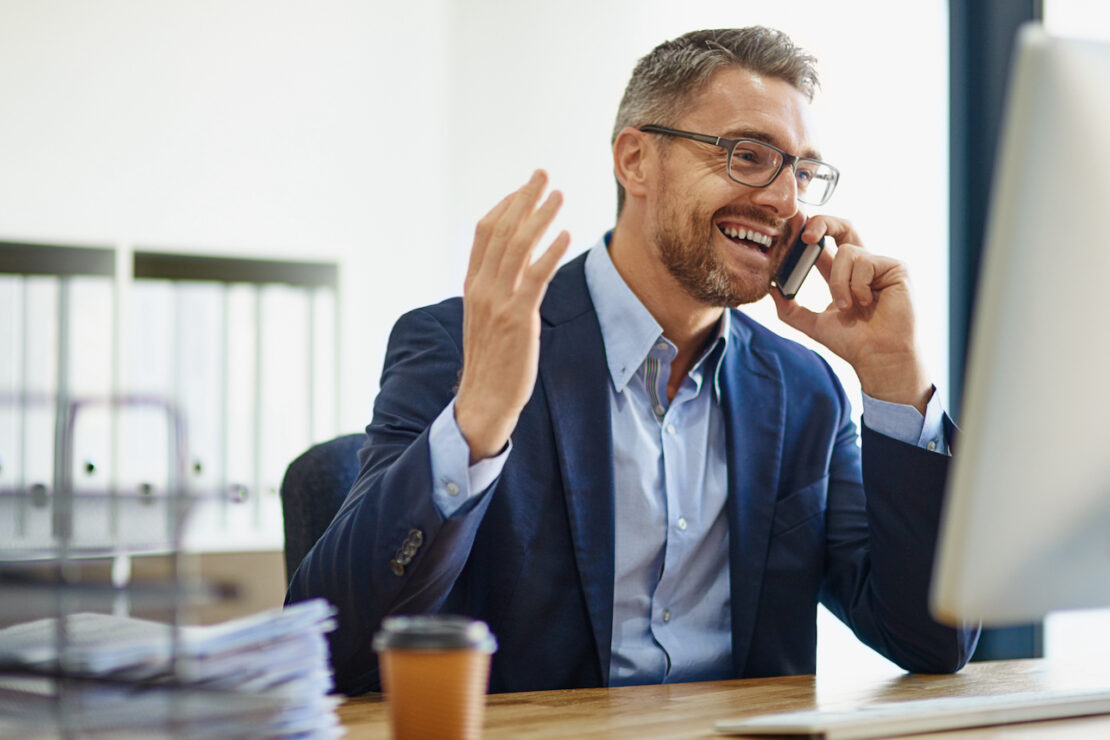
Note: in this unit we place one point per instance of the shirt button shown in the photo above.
(666, 615)
(682, 523)
(659, 410)
(453, 488)
(932, 446)
(661, 345)
(670, 429)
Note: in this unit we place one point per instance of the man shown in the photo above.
(629, 480)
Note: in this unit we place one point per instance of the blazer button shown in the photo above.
(416, 537)
(397, 568)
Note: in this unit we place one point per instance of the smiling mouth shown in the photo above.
(749, 238)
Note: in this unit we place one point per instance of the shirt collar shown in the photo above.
(628, 329)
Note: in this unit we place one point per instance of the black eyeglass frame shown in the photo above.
(729, 145)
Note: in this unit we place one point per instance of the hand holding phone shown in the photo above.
(869, 322)
(797, 264)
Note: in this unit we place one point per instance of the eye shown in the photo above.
(806, 172)
(749, 155)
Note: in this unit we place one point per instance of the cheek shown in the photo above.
(689, 204)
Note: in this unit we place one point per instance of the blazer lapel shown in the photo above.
(575, 376)
(753, 392)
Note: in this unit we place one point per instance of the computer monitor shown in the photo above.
(1026, 524)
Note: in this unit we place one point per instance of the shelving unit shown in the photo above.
(145, 405)
(246, 350)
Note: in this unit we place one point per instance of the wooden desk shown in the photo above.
(689, 710)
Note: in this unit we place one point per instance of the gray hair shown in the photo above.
(664, 82)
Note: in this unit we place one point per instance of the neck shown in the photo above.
(687, 322)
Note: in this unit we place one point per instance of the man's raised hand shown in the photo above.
(501, 319)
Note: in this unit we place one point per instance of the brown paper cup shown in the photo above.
(435, 672)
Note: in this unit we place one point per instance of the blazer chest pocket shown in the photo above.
(800, 506)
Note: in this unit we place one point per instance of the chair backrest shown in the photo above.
(314, 487)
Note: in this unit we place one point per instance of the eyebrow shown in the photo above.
(758, 135)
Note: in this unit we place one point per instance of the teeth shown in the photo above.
(748, 234)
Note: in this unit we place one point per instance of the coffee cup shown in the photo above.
(435, 674)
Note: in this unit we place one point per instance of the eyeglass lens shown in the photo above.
(757, 164)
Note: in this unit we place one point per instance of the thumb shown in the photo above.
(795, 315)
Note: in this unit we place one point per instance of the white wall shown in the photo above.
(376, 133)
(257, 128)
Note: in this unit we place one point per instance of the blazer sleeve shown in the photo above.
(880, 550)
(389, 550)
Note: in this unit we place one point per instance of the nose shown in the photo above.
(781, 196)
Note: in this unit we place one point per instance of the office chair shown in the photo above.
(314, 487)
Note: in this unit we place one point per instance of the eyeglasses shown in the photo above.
(757, 164)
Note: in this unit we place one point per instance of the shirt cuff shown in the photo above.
(455, 482)
(906, 424)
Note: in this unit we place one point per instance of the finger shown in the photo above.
(863, 276)
(483, 231)
(840, 229)
(840, 276)
(888, 271)
(539, 273)
(520, 205)
(813, 230)
(795, 315)
(825, 262)
(518, 253)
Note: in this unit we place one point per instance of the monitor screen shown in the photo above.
(1026, 526)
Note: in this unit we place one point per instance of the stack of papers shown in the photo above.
(266, 675)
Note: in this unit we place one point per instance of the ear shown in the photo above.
(630, 161)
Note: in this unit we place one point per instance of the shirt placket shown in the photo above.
(673, 418)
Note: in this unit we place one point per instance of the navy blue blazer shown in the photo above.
(533, 557)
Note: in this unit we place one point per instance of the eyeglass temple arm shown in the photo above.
(704, 138)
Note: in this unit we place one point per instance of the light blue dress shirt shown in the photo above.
(671, 611)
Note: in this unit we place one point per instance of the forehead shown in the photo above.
(737, 102)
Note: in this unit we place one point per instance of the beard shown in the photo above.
(685, 240)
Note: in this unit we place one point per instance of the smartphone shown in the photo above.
(793, 270)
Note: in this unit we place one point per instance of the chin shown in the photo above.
(746, 290)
